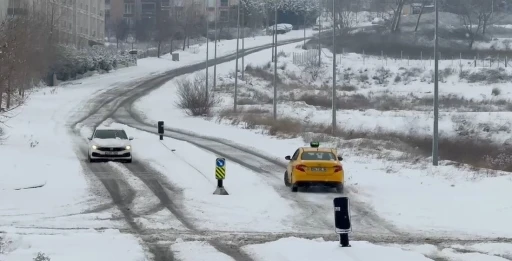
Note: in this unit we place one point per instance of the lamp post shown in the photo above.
(435, 140)
(243, 42)
(236, 64)
(275, 65)
(207, 42)
(215, 52)
(334, 99)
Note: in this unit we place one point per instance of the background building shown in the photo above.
(78, 22)
(4, 5)
(145, 11)
(131, 11)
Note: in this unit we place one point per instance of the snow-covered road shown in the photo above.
(163, 202)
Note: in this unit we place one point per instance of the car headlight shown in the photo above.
(128, 147)
(94, 147)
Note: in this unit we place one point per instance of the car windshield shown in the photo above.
(317, 155)
(110, 134)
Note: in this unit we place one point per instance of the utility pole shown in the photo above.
(304, 25)
(243, 43)
(273, 38)
(320, 33)
(275, 63)
(334, 99)
(207, 41)
(435, 140)
(236, 66)
(215, 52)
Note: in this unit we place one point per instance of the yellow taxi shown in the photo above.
(314, 166)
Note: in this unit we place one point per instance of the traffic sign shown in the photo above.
(220, 168)
(130, 39)
(220, 162)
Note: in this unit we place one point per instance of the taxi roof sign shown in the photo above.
(314, 144)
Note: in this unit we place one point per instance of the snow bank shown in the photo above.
(298, 249)
(189, 251)
(80, 246)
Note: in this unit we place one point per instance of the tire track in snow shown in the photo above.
(104, 105)
(363, 215)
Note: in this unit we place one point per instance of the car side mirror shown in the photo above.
(90, 138)
(130, 138)
(340, 158)
(288, 158)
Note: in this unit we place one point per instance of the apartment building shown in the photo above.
(135, 10)
(4, 5)
(132, 10)
(89, 18)
(225, 9)
(78, 22)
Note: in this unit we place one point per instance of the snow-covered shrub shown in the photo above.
(347, 74)
(284, 126)
(409, 74)
(348, 88)
(312, 69)
(381, 76)
(463, 74)
(443, 74)
(254, 97)
(192, 97)
(446, 72)
(496, 91)
(501, 161)
(72, 62)
(42, 257)
(398, 78)
(487, 75)
(261, 72)
(282, 53)
(463, 128)
(316, 100)
(363, 77)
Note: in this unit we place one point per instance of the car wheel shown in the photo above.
(339, 188)
(293, 186)
(286, 181)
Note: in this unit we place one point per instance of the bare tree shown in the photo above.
(474, 16)
(397, 15)
(487, 10)
(345, 12)
(381, 7)
(26, 53)
(192, 20)
(423, 3)
(193, 99)
(163, 27)
(121, 29)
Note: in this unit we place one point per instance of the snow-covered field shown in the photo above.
(441, 198)
(383, 95)
(72, 245)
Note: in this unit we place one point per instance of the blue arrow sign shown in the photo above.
(220, 162)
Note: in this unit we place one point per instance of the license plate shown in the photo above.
(110, 153)
(318, 169)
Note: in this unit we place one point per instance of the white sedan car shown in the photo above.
(110, 144)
